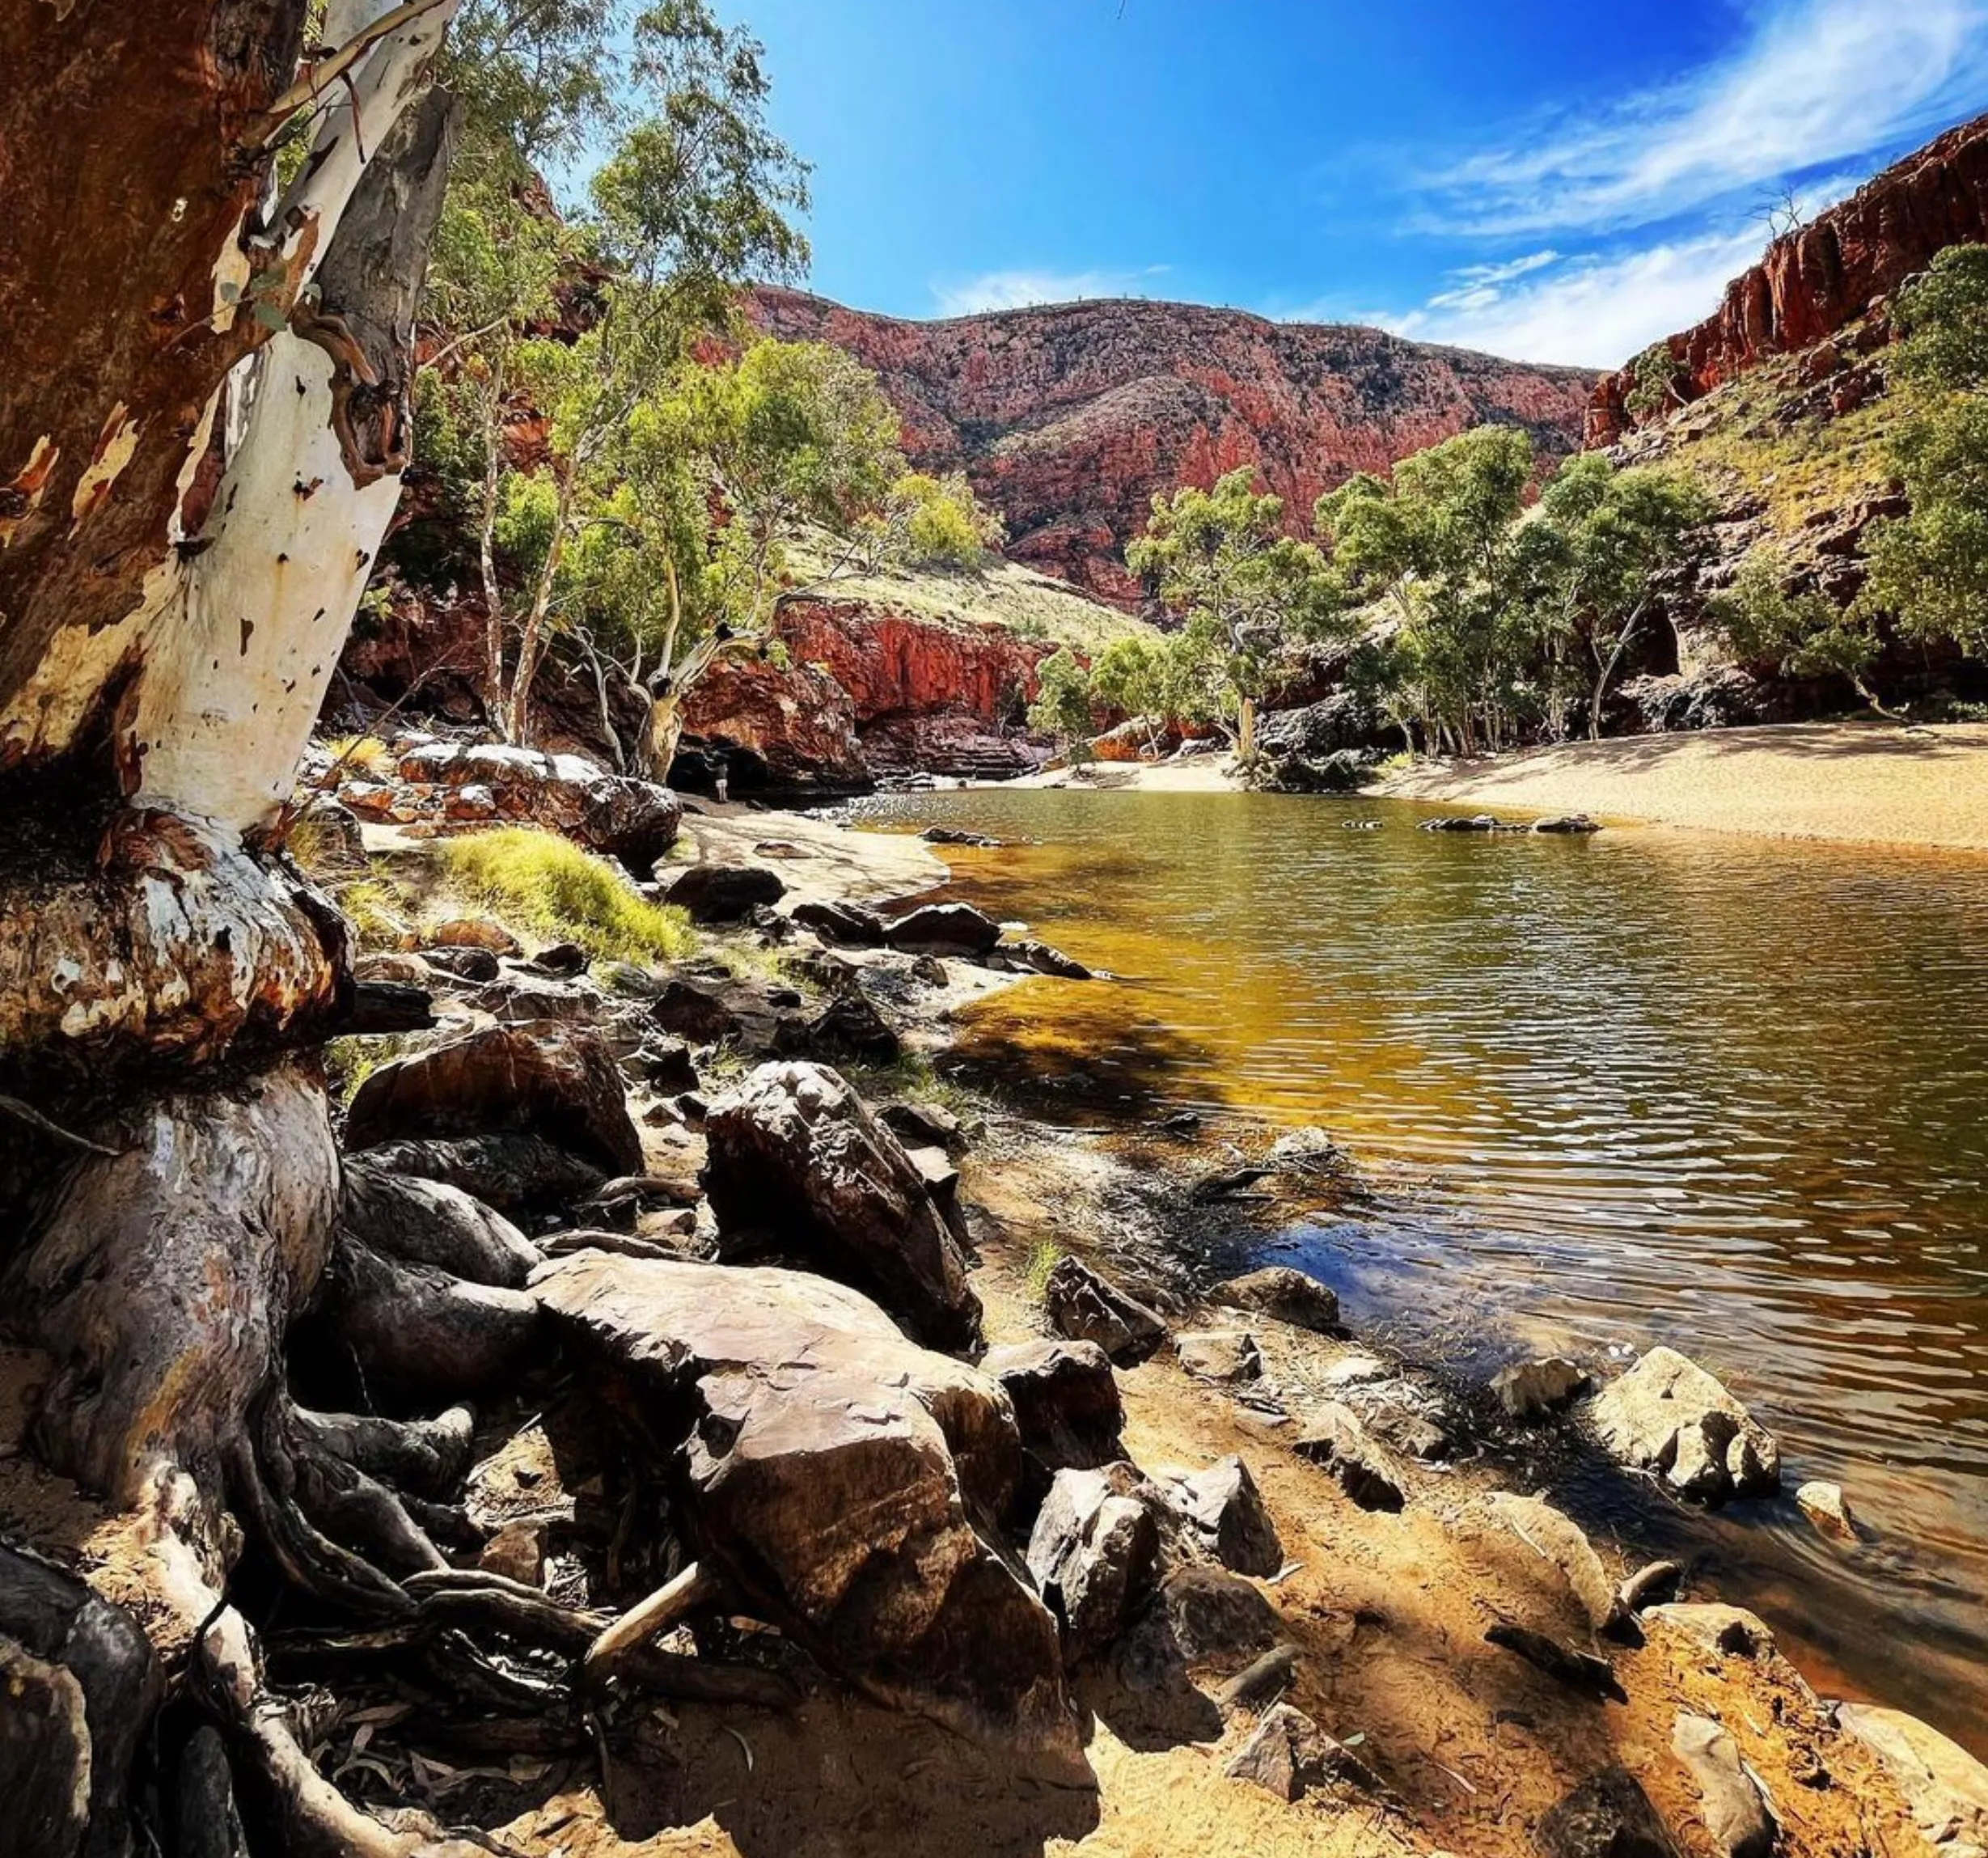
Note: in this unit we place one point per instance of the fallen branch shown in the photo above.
(642, 1622)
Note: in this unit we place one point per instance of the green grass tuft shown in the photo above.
(539, 881)
(1044, 1256)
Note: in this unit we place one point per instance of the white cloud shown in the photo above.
(1814, 82)
(1016, 290)
(1590, 312)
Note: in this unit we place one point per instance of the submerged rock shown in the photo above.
(1668, 1415)
(1828, 1509)
(794, 1157)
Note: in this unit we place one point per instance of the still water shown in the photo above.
(1727, 1093)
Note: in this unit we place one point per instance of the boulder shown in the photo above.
(1607, 1816)
(794, 1155)
(828, 1470)
(1668, 1415)
(560, 1083)
(1828, 1509)
(515, 1174)
(923, 1125)
(1730, 1805)
(943, 929)
(429, 1222)
(1224, 1514)
(724, 893)
(1199, 1619)
(475, 964)
(1716, 1627)
(1229, 1354)
(953, 836)
(1945, 1787)
(1531, 1389)
(1066, 1406)
(484, 933)
(1333, 1436)
(1094, 1553)
(1290, 1755)
(849, 1024)
(635, 821)
(663, 1063)
(1284, 1295)
(1088, 1308)
(1561, 1541)
(701, 1014)
(847, 923)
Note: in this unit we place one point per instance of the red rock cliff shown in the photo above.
(1069, 417)
(1813, 282)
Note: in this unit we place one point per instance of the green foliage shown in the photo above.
(927, 522)
(1243, 591)
(1654, 372)
(544, 883)
(373, 910)
(1931, 569)
(1804, 631)
(1062, 708)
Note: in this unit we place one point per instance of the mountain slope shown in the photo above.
(1069, 417)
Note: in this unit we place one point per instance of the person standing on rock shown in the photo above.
(721, 774)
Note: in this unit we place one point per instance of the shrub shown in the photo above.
(546, 883)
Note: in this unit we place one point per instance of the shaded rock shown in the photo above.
(1225, 1515)
(473, 964)
(514, 1174)
(724, 893)
(943, 929)
(1732, 1810)
(829, 1470)
(1716, 1627)
(1088, 1308)
(562, 959)
(1333, 1436)
(793, 1153)
(1220, 1355)
(929, 971)
(1285, 1295)
(517, 1552)
(1531, 1389)
(848, 1024)
(1667, 1414)
(1094, 1553)
(1607, 1816)
(1066, 1407)
(395, 968)
(1566, 823)
(44, 1754)
(664, 1064)
(1199, 1619)
(699, 1013)
(1567, 1664)
(1945, 1787)
(429, 1222)
(484, 933)
(848, 923)
(923, 1125)
(1290, 1755)
(1828, 1509)
(1561, 1541)
(561, 1084)
(635, 821)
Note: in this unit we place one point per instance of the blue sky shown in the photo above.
(1558, 180)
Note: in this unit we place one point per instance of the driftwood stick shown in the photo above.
(690, 1590)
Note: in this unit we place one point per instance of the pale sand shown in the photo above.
(1862, 782)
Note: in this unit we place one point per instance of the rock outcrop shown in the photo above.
(1067, 417)
(1822, 277)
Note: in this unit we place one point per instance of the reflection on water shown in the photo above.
(1725, 1092)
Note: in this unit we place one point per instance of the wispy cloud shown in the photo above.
(1813, 82)
(1016, 290)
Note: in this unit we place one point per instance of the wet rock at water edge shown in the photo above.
(1089, 1308)
(1284, 1295)
(1334, 1437)
(953, 835)
(1465, 823)
(1225, 1515)
(1040, 958)
(1668, 1415)
(1573, 824)
(1607, 1816)
(1066, 1408)
(794, 1156)
(1094, 1553)
(724, 893)
(1229, 1354)
(943, 929)
(1651, 1585)
(1289, 1755)
(1730, 1805)
(1827, 1509)
(1532, 1390)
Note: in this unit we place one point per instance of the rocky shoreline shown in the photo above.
(784, 1446)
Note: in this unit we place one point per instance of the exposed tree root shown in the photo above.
(426, 1456)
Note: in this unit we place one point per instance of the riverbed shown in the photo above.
(1649, 1086)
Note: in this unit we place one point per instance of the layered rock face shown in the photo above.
(1069, 417)
(1818, 279)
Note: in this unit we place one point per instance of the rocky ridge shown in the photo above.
(1069, 417)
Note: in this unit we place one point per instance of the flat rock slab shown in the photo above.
(1668, 1415)
(829, 1470)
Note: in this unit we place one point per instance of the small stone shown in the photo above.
(1733, 1811)
(1358, 1371)
(1221, 1355)
(517, 1552)
(1089, 1308)
(1289, 1755)
(1827, 1508)
(1667, 1414)
(475, 932)
(724, 893)
(1531, 1389)
(1651, 1583)
(1607, 1816)
(1284, 1294)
